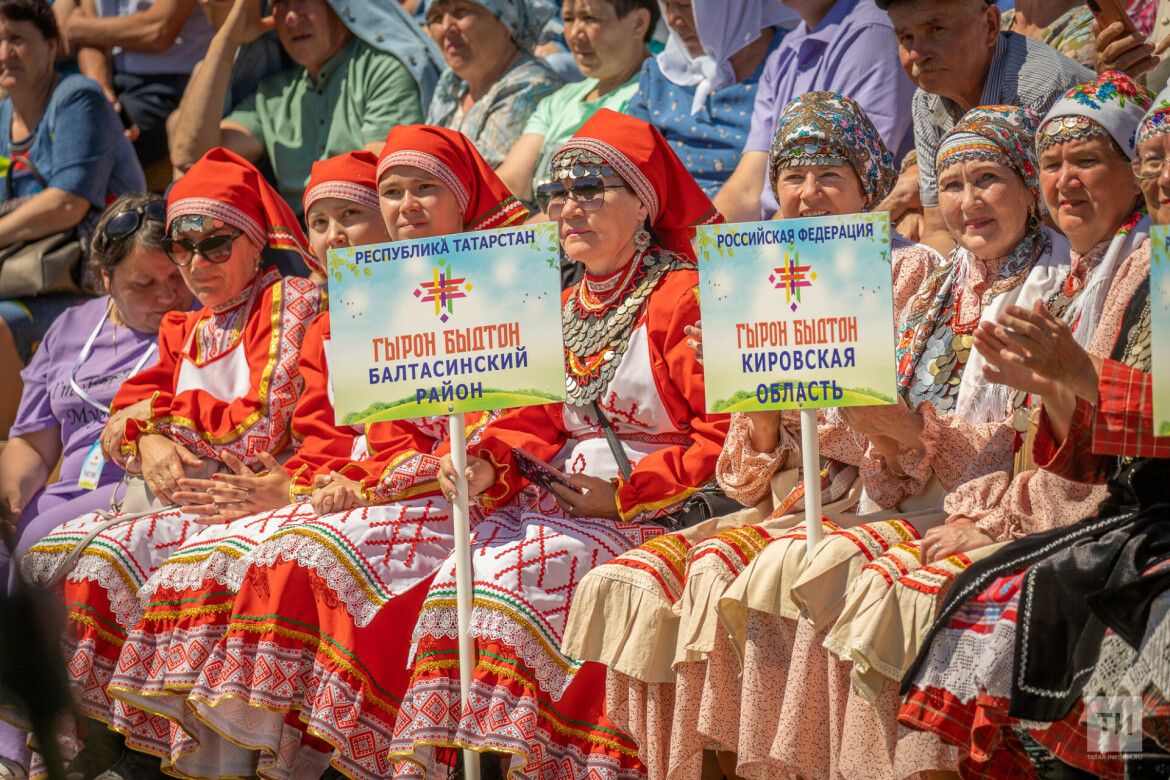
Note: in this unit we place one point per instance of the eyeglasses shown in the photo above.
(588, 191)
(1148, 167)
(214, 249)
(126, 223)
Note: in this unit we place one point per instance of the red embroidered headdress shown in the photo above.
(644, 160)
(350, 176)
(222, 185)
(450, 156)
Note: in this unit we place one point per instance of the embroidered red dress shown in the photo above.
(626, 350)
(227, 379)
(310, 654)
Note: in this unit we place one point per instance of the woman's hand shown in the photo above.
(599, 498)
(480, 476)
(115, 428)
(695, 338)
(896, 422)
(228, 497)
(164, 463)
(764, 430)
(957, 536)
(1032, 351)
(337, 493)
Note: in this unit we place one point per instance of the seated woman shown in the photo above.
(608, 40)
(85, 357)
(226, 381)
(700, 90)
(843, 593)
(341, 207)
(67, 158)
(326, 595)
(867, 605)
(492, 83)
(816, 170)
(1096, 423)
(626, 209)
(72, 378)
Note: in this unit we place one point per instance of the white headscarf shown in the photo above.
(724, 28)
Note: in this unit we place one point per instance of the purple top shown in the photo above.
(852, 51)
(49, 400)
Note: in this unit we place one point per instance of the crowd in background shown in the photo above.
(1020, 153)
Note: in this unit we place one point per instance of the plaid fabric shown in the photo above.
(1072, 458)
(1124, 423)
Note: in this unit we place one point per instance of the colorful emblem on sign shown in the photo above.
(792, 278)
(443, 290)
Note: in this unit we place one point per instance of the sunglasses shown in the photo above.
(126, 223)
(587, 191)
(215, 249)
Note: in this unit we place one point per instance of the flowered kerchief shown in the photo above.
(827, 128)
(1113, 105)
(1157, 119)
(1004, 134)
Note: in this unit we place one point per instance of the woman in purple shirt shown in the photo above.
(69, 383)
(86, 354)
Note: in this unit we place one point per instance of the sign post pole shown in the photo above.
(810, 449)
(462, 522)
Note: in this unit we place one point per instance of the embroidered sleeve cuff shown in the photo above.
(633, 508)
(1060, 457)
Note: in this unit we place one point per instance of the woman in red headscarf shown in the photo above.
(326, 599)
(244, 505)
(224, 387)
(635, 440)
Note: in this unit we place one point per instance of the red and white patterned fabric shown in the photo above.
(190, 400)
(289, 614)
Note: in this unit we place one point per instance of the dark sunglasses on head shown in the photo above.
(215, 249)
(126, 223)
(588, 191)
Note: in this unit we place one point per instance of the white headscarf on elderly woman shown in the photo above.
(724, 28)
(1113, 105)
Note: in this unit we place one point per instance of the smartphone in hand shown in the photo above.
(540, 473)
(1109, 11)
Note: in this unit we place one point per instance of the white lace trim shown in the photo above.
(1151, 668)
(486, 623)
(319, 557)
(218, 567)
(123, 599)
(964, 663)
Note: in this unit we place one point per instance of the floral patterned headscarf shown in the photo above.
(827, 128)
(1111, 106)
(1004, 134)
(1157, 119)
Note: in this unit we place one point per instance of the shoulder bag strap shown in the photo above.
(619, 452)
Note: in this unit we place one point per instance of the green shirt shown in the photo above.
(563, 112)
(358, 97)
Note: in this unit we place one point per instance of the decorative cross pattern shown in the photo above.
(443, 290)
(405, 523)
(543, 534)
(791, 278)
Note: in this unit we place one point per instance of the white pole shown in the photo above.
(458, 437)
(810, 448)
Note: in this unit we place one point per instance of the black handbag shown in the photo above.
(707, 502)
(43, 265)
